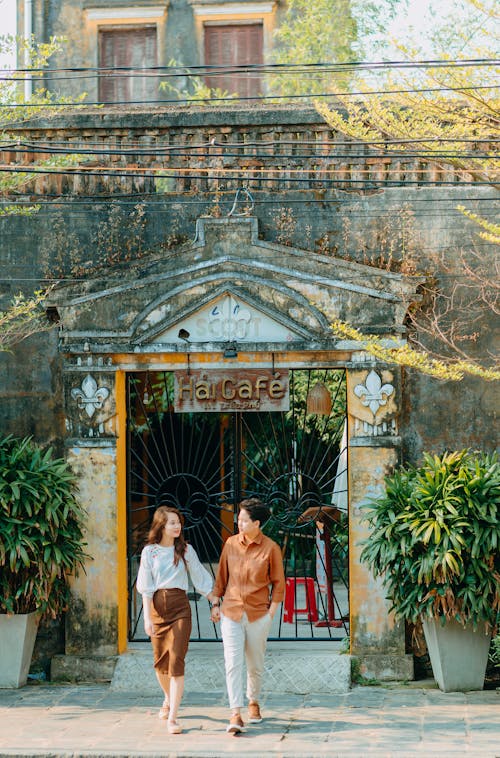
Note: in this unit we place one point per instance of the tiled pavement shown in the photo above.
(94, 720)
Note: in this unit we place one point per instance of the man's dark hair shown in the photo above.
(255, 509)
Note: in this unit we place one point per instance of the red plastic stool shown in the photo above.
(290, 609)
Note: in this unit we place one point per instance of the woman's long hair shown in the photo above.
(156, 529)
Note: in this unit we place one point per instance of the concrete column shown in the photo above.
(92, 635)
(373, 401)
(91, 621)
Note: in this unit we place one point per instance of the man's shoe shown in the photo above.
(174, 728)
(236, 725)
(254, 715)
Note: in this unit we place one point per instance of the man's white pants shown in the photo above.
(243, 639)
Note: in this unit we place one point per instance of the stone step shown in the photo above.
(299, 668)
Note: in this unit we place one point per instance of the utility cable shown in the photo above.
(160, 198)
(252, 174)
(248, 98)
(133, 148)
(17, 148)
(292, 67)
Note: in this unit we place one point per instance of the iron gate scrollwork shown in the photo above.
(205, 463)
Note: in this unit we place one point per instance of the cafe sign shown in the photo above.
(231, 390)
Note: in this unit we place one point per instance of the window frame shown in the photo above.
(228, 14)
(123, 17)
(117, 29)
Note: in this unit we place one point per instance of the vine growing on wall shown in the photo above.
(120, 237)
(286, 224)
(456, 294)
(23, 317)
(391, 243)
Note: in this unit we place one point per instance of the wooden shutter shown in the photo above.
(128, 48)
(234, 45)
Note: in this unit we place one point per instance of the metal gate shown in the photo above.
(205, 463)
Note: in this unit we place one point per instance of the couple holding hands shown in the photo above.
(251, 581)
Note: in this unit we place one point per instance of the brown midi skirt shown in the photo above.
(171, 617)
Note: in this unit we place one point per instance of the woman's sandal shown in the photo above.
(174, 727)
(164, 711)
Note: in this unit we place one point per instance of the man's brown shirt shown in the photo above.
(246, 572)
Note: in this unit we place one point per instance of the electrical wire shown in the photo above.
(250, 98)
(228, 174)
(253, 174)
(117, 74)
(291, 67)
(74, 203)
(51, 202)
(182, 152)
(262, 144)
(82, 213)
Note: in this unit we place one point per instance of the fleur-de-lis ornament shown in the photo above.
(89, 396)
(373, 393)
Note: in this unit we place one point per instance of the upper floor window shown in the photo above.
(232, 34)
(134, 48)
(232, 45)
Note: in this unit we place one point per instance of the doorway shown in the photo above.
(205, 463)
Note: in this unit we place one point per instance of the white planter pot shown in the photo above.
(458, 654)
(17, 640)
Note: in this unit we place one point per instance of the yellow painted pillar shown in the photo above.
(121, 509)
(373, 401)
(95, 444)
(92, 619)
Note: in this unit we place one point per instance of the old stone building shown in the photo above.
(198, 259)
(152, 35)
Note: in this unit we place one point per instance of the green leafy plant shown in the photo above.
(23, 317)
(358, 678)
(197, 91)
(41, 529)
(495, 651)
(435, 536)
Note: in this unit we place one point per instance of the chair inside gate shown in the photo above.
(291, 609)
(325, 515)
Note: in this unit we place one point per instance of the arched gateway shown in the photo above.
(208, 373)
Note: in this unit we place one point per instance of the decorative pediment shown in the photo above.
(229, 285)
(228, 318)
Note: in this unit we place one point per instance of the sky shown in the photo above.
(7, 24)
(8, 16)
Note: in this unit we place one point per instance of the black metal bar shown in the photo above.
(263, 451)
(237, 468)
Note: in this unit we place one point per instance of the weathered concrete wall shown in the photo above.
(333, 217)
(179, 29)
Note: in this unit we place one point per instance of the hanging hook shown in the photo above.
(243, 190)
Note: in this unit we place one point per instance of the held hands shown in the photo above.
(215, 614)
(215, 609)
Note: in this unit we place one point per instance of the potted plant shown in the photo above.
(41, 545)
(434, 541)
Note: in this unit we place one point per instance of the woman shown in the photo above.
(163, 582)
(252, 581)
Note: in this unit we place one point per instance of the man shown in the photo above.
(252, 581)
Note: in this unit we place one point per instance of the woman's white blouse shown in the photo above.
(157, 571)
